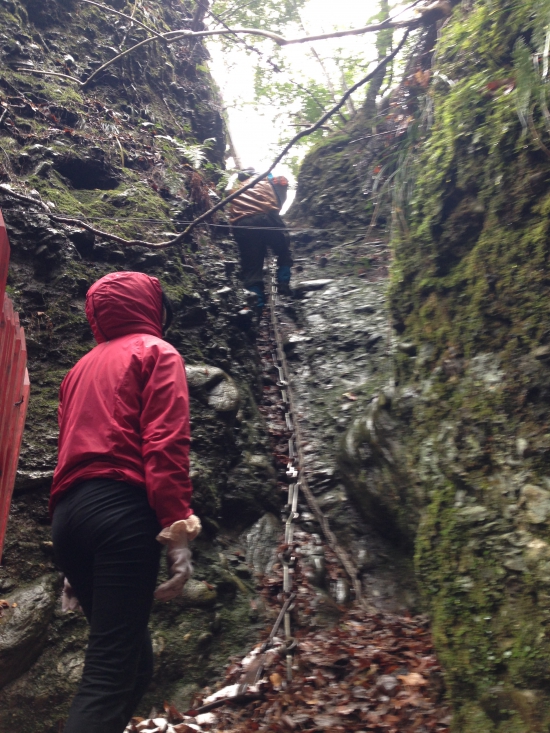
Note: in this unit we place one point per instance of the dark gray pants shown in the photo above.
(254, 235)
(104, 540)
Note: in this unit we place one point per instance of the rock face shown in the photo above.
(261, 543)
(125, 152)
(456, 461)
(24, 628)
(472, 295)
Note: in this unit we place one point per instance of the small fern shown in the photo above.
(195, 154)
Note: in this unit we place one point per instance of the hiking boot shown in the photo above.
(255, 295)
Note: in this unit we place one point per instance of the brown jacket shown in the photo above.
(259, 199)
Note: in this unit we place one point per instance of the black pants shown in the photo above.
(104, 539)
(254, 234)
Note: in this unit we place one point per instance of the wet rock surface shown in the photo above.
(457, 454)
(261, 542)
(117, 152)
(338, 345)
(24, 627)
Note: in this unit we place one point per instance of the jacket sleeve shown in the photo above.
(165, 434)
(61, 399)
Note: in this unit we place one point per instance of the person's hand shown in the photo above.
(69, 601)
(178, 556)
(180, 569)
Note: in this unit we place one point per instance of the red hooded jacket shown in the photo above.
(124, 407)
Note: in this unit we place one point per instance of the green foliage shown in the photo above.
(301, 95)
(195, 154)
(271, 15)
(303, 102)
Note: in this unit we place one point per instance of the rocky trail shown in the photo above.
(342, 663)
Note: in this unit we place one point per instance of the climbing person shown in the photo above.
(257, 225)
(120, 491)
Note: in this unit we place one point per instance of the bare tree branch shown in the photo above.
(173, 36)
(432, 14)
(51, 73)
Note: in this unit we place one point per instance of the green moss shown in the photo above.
(64, 93)
(470, 289)
(133, 200)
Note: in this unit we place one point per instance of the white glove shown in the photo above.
(69, 601)
(178, 556)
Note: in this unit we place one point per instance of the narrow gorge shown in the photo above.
(415, 336)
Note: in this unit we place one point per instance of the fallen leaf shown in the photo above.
(412, 680)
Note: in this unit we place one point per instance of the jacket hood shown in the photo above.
(122, 303)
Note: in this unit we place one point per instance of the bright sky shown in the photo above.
(255, 133)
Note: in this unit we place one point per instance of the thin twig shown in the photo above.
(52, 73)
(123, 15)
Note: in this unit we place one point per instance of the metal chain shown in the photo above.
(295, 471)
(297, 475)
(287, 558)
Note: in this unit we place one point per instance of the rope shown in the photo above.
(297, 476)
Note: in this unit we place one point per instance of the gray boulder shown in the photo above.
(24, 627)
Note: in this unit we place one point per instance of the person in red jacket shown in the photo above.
(120, 490)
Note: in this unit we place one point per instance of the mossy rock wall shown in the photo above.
(458, 453)
(470, 290)
(122, 153)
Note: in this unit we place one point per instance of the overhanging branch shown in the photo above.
(429, 15)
